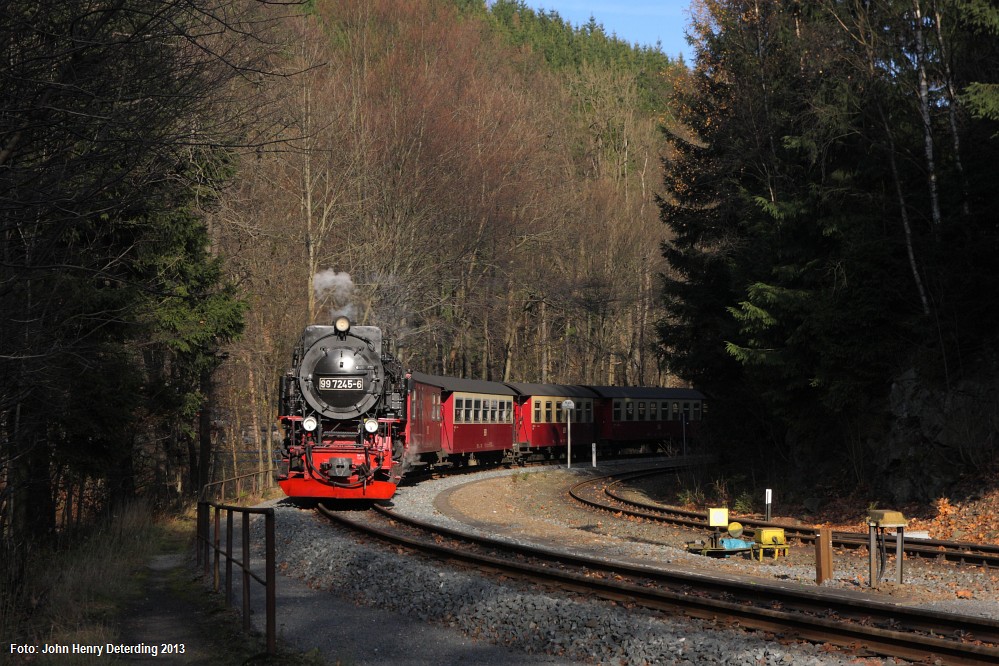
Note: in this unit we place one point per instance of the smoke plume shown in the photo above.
(338, 288)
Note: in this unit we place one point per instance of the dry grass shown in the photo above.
(76, 594)
(71, 595)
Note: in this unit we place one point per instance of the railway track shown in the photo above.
(851, 620)
(603, 493)
(424, 472)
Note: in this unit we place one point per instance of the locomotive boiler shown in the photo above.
(342, 408)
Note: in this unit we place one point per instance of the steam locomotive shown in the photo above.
(353, 420)
(342, 409)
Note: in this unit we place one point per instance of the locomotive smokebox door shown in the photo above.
(341, 373)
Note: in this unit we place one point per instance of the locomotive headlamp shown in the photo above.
(370, 426)
(342, 324)
(309, 423)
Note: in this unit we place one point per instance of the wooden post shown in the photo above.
(823, 555)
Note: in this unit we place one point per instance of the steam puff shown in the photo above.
(338, 287)
(331, 283)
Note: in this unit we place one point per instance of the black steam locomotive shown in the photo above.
(342, 407)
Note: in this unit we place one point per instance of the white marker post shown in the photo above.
(770, 496)
(567, 407)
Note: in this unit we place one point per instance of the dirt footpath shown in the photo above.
(168, 624)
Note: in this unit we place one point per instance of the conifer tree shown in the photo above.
(109, 297)
(821, 168)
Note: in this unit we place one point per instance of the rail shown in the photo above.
(851, 620)
(593, 492)
(218, 488)
(210, 541)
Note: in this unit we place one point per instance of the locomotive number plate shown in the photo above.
(341, 383)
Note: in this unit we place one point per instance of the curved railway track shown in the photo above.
(423, 472)
(852, 620)
(601, 493)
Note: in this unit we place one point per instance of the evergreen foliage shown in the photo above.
(981, 19)
(111, 305)
(827, 199)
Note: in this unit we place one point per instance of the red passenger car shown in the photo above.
(630, 414)
(458, 419)
(541, 422)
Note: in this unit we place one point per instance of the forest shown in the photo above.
(830, 203)
(799, 222)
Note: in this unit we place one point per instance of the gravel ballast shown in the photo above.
(529, 626)
(330, 561)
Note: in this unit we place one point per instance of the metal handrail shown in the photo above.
(237, 479)
(207, 543)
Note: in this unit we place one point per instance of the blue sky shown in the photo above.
(641, 21)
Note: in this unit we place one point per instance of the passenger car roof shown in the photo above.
(647, 392)
(453, 384)
(567, 390)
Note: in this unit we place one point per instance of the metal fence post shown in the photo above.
(246, 571)
(228, 560)
(217, 541)
(269, 581)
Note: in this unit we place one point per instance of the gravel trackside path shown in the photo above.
(356, 635)
(314, 626)
(339, 623)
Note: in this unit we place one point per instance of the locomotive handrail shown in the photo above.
(209, 540)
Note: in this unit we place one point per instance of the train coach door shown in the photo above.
(518, 424)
